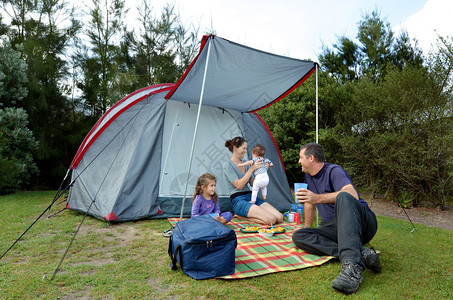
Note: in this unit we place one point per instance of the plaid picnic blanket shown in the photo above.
(257, 255)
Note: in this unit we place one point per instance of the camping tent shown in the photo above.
(133, 164)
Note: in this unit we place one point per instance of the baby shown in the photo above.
(261, 178)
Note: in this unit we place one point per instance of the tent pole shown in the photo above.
(317, 120)
(196, 128)
(317, 129)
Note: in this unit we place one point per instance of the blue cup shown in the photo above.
(298, 185)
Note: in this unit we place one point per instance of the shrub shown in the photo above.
(17, 145)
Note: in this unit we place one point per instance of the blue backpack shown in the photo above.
(203, 247)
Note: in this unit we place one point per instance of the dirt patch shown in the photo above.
(429, 216)
(112, 236)
(81, 295)
(95, 262)
(159, 288)
(118, 232)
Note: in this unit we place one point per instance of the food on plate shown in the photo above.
(278, 229)
(250, 228)
(266, 232)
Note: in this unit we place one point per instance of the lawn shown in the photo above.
(130, 261)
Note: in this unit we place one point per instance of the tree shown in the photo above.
(99, 61)
(404, 53)
(3, 27)
(397, 135)
(376, 49)
(17, 145)
(376, 38)
(13, 77)
(440, 65)
(163, 48)
(343, 62)
(186, 45)
(40, 31)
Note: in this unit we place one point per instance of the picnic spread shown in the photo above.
(260, 254)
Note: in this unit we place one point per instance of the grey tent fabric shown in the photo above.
(117, 175)
(133, 164)
(239, 77)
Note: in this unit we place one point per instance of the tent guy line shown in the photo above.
(58, 194)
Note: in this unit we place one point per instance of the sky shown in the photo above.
(300, 28)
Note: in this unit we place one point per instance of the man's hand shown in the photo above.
(306, 196)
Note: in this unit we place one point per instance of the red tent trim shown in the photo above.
(111, 217)
(85, 144)
(273, 140)
(203, 43)
(290, 89)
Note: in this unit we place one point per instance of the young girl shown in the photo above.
(205, 200)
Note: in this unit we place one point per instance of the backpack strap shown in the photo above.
(173, 256)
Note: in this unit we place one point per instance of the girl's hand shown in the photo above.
(221, 219)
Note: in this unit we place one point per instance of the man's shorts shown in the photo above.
(241, 204)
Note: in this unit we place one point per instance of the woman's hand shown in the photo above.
(241, 182)
(257, 164)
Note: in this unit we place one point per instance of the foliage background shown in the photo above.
(63, 74)
(385, 114)
(385, 108)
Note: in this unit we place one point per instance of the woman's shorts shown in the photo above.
(241, 204)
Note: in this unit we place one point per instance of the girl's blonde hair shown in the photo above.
(204, 180)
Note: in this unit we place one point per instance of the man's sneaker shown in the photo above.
(371, 259)
(349, 279)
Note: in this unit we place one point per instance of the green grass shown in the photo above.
(130, 261)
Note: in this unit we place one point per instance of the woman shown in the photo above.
(240, 194)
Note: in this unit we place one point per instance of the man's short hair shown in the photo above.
(315, 150)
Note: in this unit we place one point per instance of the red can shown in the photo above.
(297, 218)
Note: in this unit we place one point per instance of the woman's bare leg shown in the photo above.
(261, 215)
(273, 211)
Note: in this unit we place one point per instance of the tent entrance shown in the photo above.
(215, 127)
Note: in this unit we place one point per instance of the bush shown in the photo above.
(396, 135)
(17, 145)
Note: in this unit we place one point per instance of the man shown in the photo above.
(348, 222)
